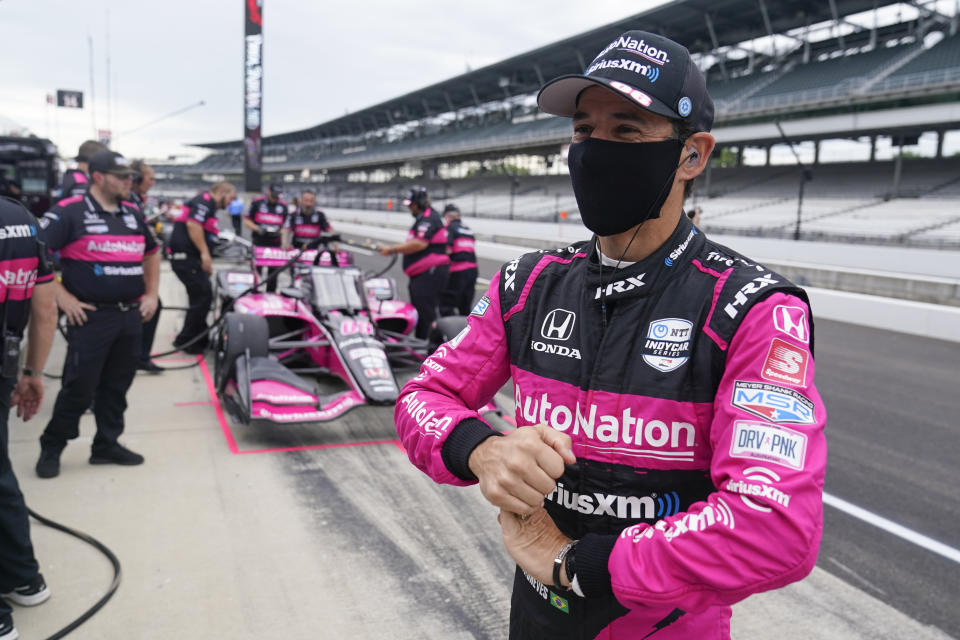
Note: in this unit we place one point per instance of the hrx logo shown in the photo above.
(621, 286)
(509, 274)
(740, 298)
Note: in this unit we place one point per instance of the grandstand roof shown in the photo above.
(702, 25)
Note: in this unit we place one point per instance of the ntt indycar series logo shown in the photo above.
(626, 433)
(668, 344)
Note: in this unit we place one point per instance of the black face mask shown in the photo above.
(619, 185)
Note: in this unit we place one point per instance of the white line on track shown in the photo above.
(483, 281)
(892, 527)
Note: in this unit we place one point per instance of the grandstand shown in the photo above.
(847, 69)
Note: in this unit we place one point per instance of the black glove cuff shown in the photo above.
(460, 444)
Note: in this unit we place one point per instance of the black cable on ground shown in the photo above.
(102, 548)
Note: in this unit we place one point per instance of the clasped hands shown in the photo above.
(515, 472)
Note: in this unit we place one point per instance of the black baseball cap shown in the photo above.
(276, 188)
(417, 195)
(653, 72)
(111, 162)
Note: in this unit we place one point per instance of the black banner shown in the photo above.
(252, 94)
(70, 99)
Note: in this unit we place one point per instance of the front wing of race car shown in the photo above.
(266, 390)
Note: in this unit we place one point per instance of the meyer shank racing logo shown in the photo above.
(624, 432)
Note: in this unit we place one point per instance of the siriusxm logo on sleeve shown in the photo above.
(17, 231)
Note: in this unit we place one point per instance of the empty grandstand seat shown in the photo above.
(823, 79)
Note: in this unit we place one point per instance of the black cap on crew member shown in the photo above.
(417, 196)
(111, 162)
(651, 71)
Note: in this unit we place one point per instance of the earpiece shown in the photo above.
(693, 157)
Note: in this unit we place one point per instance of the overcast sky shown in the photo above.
(321, 58)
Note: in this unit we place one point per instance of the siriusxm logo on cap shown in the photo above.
(649, 72)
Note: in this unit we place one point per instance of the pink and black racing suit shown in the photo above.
(686, 384)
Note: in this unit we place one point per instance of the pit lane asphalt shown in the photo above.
(893, 403)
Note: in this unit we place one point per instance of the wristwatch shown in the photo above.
(558, 564)
(30, 373)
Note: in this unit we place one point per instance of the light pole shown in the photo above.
(805, 174)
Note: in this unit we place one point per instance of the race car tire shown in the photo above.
(240, 332)
(445, 329)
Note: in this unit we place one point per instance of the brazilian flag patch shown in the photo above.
(559, 603)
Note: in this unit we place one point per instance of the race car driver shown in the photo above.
(194, 234)
(266, 219)
(425, 259)
(669, 455)
(111, 271)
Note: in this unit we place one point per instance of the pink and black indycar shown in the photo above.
(333, 327)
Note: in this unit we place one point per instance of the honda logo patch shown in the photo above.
(792, 321)
(558, 325)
